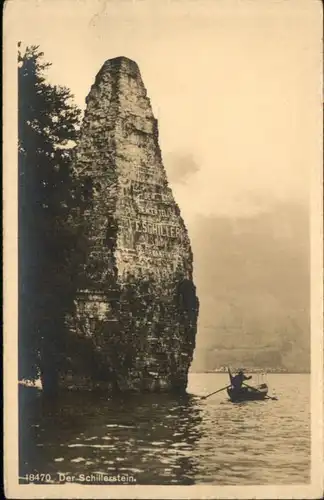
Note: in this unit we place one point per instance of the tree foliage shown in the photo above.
(48, 124)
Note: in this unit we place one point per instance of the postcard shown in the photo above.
(163, 249)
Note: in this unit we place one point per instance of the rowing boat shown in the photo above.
(242, 391)
(248, 393)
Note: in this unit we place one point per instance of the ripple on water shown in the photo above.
(157, 438)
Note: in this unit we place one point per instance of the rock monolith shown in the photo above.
(136, 309)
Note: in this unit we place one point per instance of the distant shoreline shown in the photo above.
(36, 384)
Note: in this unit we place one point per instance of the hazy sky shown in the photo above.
(236, 86)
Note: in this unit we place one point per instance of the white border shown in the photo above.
(12, 488)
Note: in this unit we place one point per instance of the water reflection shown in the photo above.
(162, 439)
(151, 437)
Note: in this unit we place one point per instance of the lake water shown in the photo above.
(163, 439)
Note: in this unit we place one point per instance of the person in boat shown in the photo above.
(238, 380)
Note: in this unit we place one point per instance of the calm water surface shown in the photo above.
(163, 439)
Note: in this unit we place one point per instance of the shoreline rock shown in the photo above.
(135, 319)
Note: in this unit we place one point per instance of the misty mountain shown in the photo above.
(253, 281)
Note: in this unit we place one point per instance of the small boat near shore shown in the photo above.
(238, 390)
(248, 393)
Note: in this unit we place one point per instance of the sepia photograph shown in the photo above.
(163, 243)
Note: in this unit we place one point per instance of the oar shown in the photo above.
(255, 389)
(219, 390)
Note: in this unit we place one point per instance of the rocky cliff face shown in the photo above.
(135, 321)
